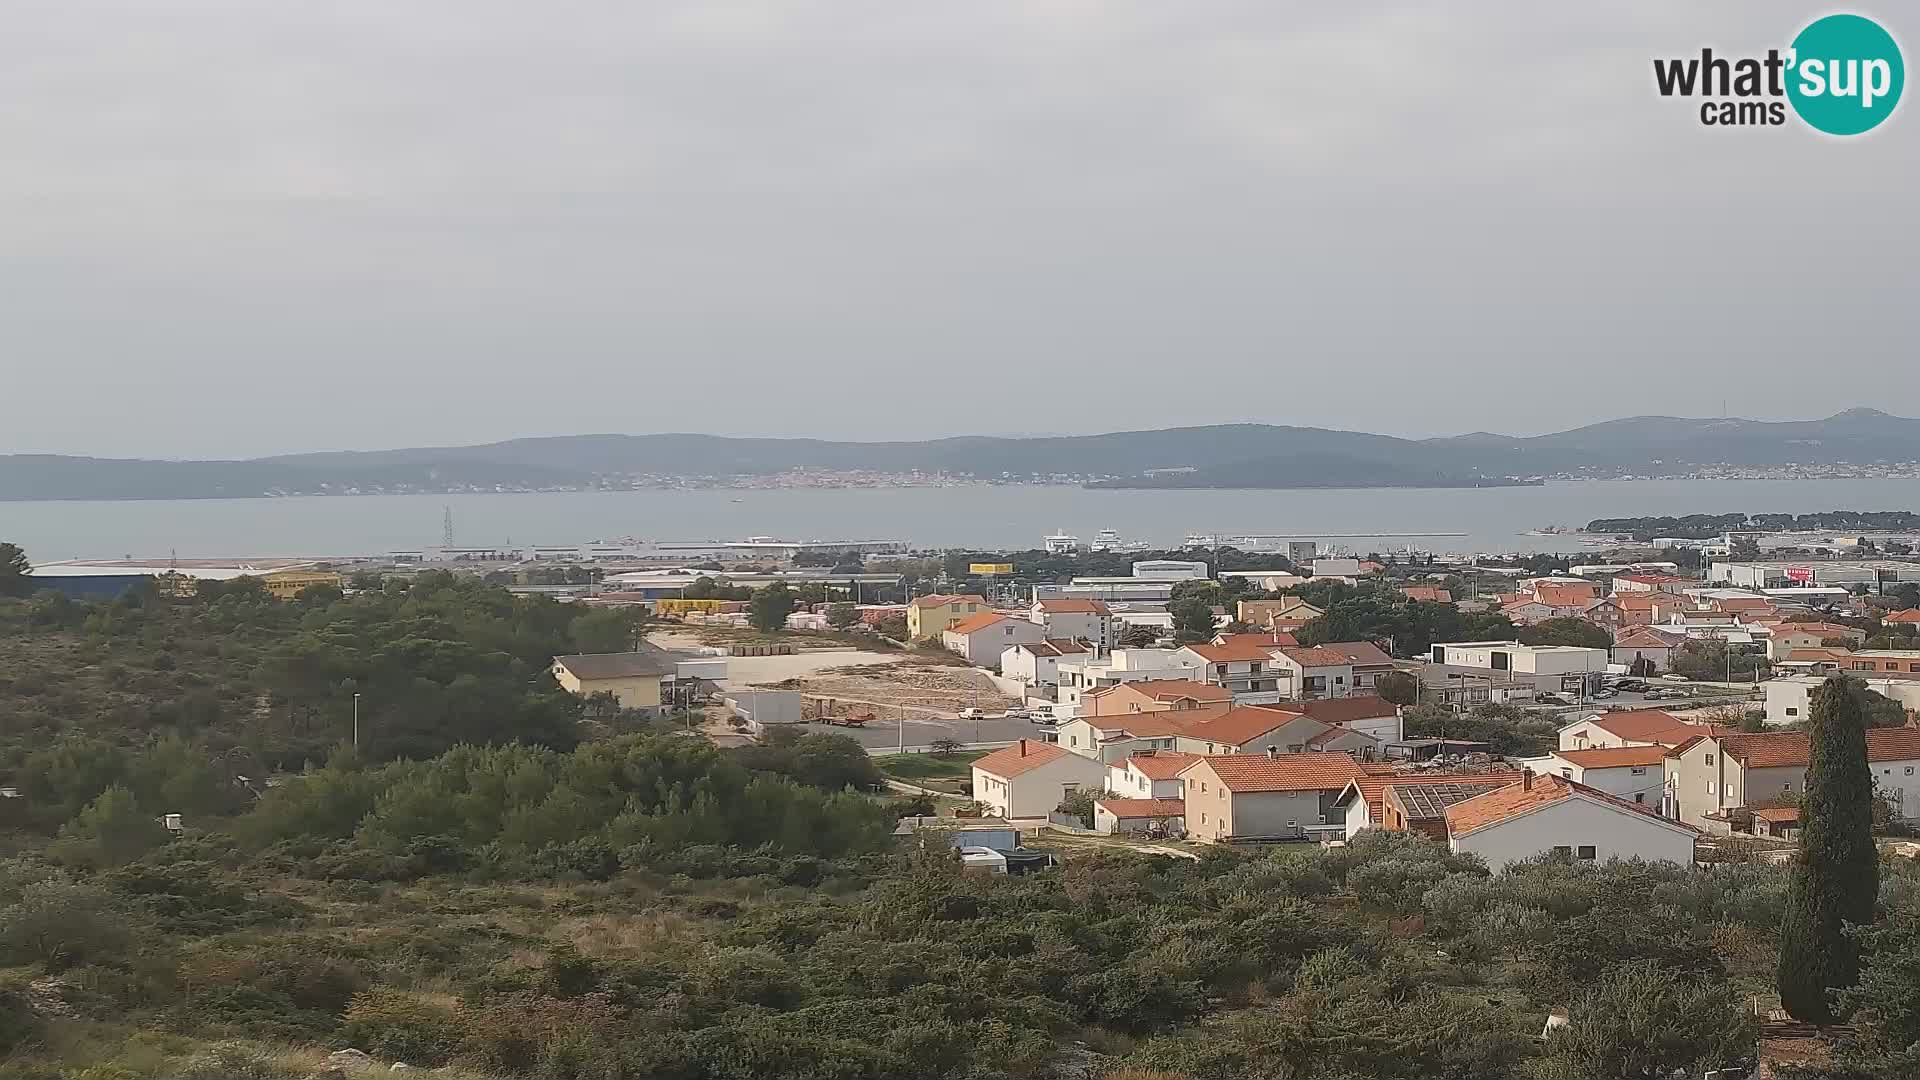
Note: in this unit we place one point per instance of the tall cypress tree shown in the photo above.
(1836, 875)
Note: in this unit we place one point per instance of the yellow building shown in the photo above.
(287, 584)
(633, 678)
(674, 605)
(930, 616)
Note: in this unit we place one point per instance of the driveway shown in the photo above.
(885, 736)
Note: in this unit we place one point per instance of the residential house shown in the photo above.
(1363, 802)
(1634, 727)
(1637, 774)
(1091, 621)
(1904, 617)
(1604, 613)
(929, 616)
(1528, 612)
(289, 584)
(1431, 594)
(1153, 695)
(1790, 697)
(1246, 670)
(1028, 779)
(1037, 663)
(984, 637)
(1543, 814)
(1265, 796)
(1711, 774)
(1253, 729)
(1566, 599)
(1115, 738)
(1309, 673)
(1367, 660)
(1159, 816)
(1264, 613)
(1789, 637)
(1368, 714)
(1550, 662)
(633, 678)
(1635, 609)
(1081, 677)
(1643, 650)
(1651, 583)
(1149, 774)
(1264, 639)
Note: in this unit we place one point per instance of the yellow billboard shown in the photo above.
(985, 568)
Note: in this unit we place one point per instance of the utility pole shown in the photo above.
(356, 721)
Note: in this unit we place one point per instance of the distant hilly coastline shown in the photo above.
(1221, 456)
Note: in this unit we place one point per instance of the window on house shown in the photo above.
(1587, 851)
(1640, 796)
(1203, 817)
(1909, 770)
(1791, 711)
(1709, 787)
(1637, 770)
(1788, 786)
(1709, 759)
(1562, 849)
(1221, 794)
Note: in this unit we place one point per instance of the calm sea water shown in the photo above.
(1491, 519)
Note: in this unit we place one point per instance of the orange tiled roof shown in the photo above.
(943, 599)
(975, 623)
(1778, 813)
(1255, 773)
(1567, 596)
(1317, 656)
(1342, 710)
(1156, 724)
(1174, 689)
(1910, 615)
(1361, 653)
(1513, 800)
(1790, 749)
(1430, 593)
(1651, 725)
(1260, 641)
(1022, 757)
(1160, 764)
(1614, 757)
(1236, 726)
(1053, 647)
(1641, 637)
(1073, 607)
(1143, 808)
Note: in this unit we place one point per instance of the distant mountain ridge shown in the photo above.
(1227, 455)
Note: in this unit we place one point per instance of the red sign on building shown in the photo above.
(1801, 574)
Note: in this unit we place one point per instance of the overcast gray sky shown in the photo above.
(235, 227)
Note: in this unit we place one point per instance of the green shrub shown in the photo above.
(401, 1026)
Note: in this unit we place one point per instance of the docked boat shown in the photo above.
(1062, 543)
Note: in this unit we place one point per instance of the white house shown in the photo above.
(984, 637)
(1790, 697)
(1037, 663)
(1244, 668)
(1079, 677)
(1149, 774)
(1118, 815)
(1630, 727)
(1542, 814)
(1637, 774)
(1028, 779)
(1091, 621)
(1312, 672)
(1643, 650)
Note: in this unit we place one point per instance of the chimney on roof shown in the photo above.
(1272, 751)
(1023, 748)
(1526, 779)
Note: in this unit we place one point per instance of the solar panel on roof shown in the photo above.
(1432, 800)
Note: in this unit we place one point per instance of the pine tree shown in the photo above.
(1836, 875)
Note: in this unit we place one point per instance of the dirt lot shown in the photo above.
(904, 682)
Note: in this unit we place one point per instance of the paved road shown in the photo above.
(884, 735)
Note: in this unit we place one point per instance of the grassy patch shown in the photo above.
(910, 767)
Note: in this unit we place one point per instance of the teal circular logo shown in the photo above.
(1845, 75)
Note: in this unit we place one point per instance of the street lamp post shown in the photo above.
(356, 721)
